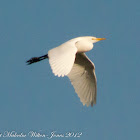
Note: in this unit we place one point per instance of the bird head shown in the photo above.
(85, 43)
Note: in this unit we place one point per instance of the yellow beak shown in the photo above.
(99, 39)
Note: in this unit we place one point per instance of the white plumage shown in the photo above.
(83, 79)
(69, 59)
(61, 58)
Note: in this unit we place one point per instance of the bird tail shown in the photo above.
(36, 59)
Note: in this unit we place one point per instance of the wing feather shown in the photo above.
(83, 79)
(62, 58)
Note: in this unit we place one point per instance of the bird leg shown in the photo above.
(36, 59)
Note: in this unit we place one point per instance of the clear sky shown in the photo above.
(33, 99)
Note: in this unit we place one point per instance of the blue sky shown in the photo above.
(33, 99)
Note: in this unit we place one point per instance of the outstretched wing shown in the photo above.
(83, 79)
(62, 58)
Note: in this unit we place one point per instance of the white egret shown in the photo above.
(69, 59)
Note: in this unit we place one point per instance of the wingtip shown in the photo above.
(93, 103)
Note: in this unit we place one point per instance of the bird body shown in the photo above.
(83, 44)
(69, 59)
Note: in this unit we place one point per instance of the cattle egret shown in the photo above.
(69, 59)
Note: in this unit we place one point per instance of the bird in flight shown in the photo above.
(69, 59)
